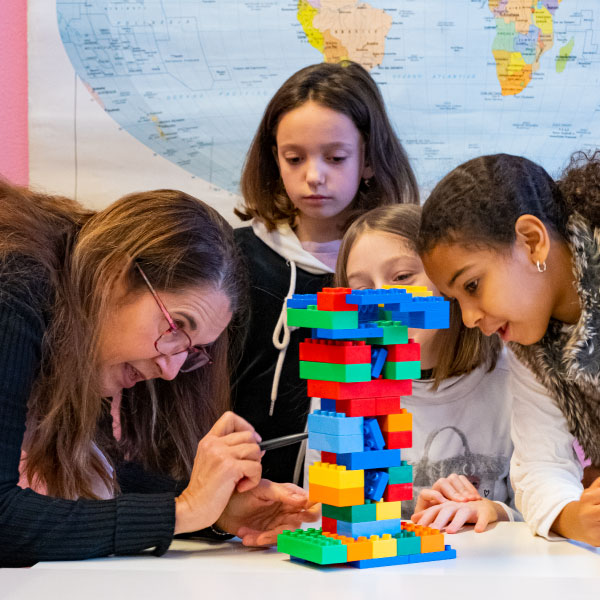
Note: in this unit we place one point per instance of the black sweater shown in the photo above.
(270, 280)
(35, 527)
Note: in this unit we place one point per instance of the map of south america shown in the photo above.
(345, 30)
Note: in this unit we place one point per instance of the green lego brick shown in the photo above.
(351, 514)
(325, 319)
(410, 369)
(393, 333)
(335, 372)
(311, 545)
(401, 474)
(408, 543)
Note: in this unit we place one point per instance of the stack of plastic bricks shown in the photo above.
(360, 361)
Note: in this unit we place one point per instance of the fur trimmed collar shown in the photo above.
(567, 359)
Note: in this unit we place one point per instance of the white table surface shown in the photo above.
(506, 562)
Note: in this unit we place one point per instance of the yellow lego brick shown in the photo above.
(335, 476)
(384, 546)
(388, 510)
(415, 290)
(398, 422)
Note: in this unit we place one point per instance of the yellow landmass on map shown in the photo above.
(346, 29)
(306, 14)
(513, 72)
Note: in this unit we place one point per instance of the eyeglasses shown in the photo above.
(175, 340)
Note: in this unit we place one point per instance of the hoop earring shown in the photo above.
(541, 268)
(367, 182)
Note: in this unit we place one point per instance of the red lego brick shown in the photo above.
(376, 388)
(368, 407)
(397, 439)
(329, 525)
(398, 491)
(328, 457)
(388, 406)
(334, 299)
(404, 352)
(335, 351)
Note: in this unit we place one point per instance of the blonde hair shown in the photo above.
(180, 242)
(460, 349)
(347, 88)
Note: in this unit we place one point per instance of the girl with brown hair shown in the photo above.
(461, 404)
(99, 312)
(324, 153)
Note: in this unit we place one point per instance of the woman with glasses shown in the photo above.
(115, 335)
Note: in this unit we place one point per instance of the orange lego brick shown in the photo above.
(333, 497)
(432, 540)
(402, 421)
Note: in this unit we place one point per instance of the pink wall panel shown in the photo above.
(13, 92)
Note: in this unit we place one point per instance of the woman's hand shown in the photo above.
(227, 459)
(260, 514)
(454, 487)
(453, 515)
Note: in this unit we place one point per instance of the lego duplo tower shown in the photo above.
(360, 362)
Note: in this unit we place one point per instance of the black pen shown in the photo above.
(285, 440)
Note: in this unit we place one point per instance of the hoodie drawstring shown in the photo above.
(282, 344)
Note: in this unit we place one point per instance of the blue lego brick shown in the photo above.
(420, 319)
(328, 405)
(375, 482)
(375, 459)
(363, 331)
(378, 356)
(368, 528)
(379, 562)
(368, 313)
(373, 436)
(367, 297)
(446, 554)
(334, 423)
(301, 300)
(336, 443)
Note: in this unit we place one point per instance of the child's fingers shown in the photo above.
(429, 498)
(482, 521)
(453, 487)
(463, 514)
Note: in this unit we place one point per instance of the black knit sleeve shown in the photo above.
(35, 527)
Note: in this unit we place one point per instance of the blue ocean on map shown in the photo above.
(190, 78)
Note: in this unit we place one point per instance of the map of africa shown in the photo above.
(191, 78)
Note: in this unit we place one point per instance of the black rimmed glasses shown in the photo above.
(175, 340)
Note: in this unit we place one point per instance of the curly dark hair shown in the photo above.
(478, 203)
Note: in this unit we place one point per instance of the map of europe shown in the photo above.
(191, 78)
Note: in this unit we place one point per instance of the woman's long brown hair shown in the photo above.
(180, 242)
